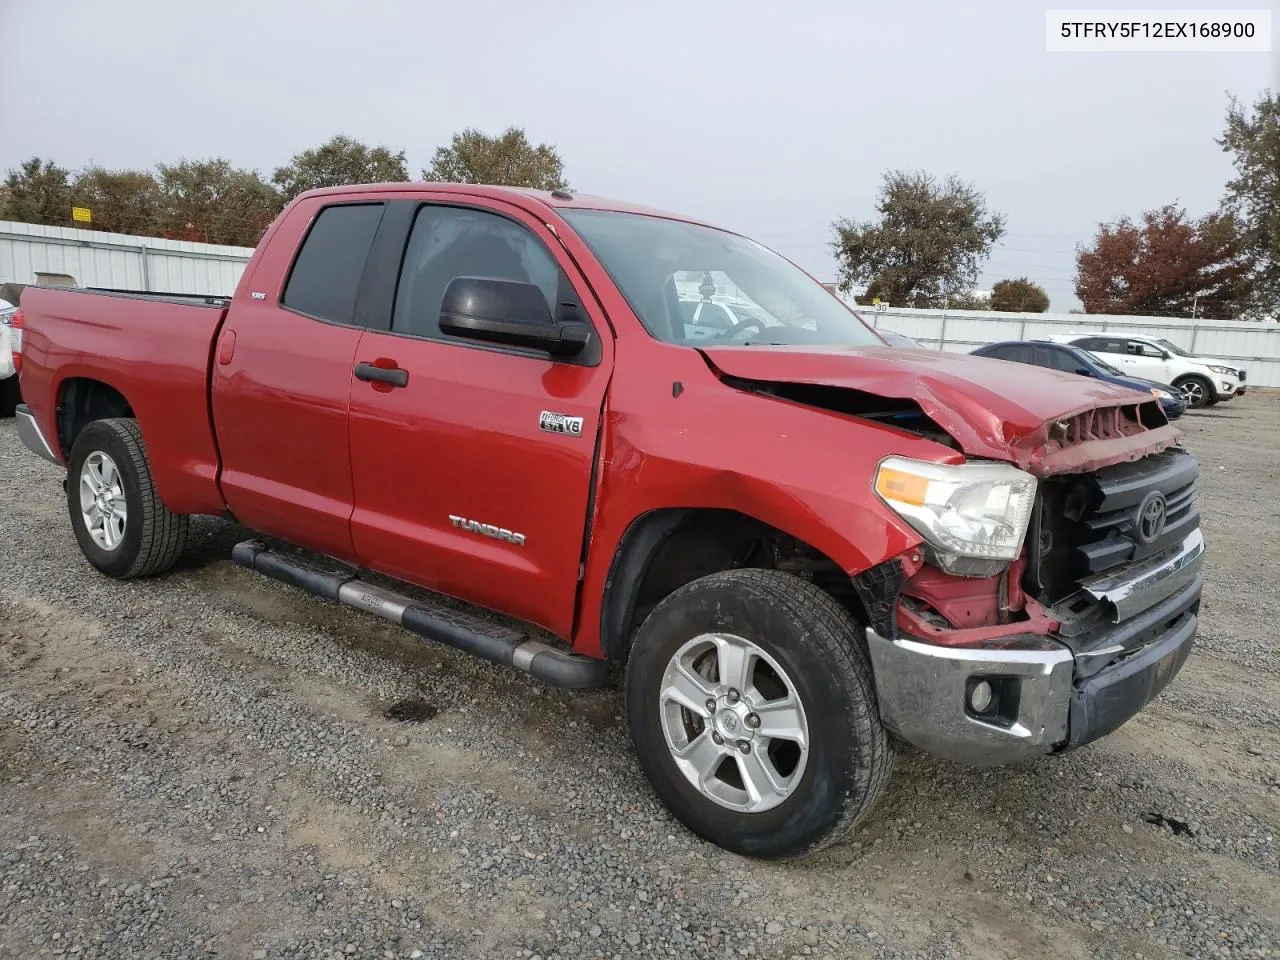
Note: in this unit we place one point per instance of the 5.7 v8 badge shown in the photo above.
(559, 423)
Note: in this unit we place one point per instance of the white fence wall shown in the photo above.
(175, 266)
(116, 260)
(1253, 346)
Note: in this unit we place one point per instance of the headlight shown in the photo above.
(974, 510)
(1161, 394)
(1225, 371)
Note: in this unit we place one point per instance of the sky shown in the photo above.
(769, 119)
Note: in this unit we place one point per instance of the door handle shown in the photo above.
(396, 376)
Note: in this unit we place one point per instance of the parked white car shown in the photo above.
(8, 376)
(1202, 380)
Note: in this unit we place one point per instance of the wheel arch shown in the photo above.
(665, 548)
(82, 400)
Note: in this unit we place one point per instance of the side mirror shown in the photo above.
(1085, 372)
(508, 312)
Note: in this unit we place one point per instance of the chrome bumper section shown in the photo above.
(922, 690)
(1056, 699)
(29, 433)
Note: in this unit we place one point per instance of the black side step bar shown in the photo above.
(490, 641)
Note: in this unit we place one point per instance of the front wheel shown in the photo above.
(1197, 390)
(752, 710)
(122, 527)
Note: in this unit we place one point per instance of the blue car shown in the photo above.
(1064, 357)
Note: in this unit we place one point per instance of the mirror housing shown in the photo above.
(1085, 372)
(509, 312)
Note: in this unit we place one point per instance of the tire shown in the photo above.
(813, 642)
(1197, 390)
(149, 538)
(10, 395)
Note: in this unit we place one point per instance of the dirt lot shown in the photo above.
(201, 765)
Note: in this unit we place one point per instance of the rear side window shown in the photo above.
(1017, 354)
(326, 275)
(1103, 345)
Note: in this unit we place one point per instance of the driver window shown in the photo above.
(1141, 349)
(449, 242)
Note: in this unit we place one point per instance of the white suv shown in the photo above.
(8, 376)
(1202, 380)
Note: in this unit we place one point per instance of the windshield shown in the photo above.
(1173, 348)
(1099, 362)
(662, 265)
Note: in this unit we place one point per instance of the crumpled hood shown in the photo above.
(993, 408)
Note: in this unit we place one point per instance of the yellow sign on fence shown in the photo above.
(82, 214)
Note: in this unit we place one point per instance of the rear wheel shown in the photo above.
(1197, 390)
(122, 527)
(752, 710)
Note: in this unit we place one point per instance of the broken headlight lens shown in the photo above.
(970, 510)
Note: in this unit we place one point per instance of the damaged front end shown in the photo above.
(1056, 586)
(1091, 621)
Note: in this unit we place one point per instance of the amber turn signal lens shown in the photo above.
(902, 486)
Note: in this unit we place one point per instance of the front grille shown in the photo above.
(1090, 523)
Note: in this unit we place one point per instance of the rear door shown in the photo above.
(282, 378)
(1114, 349)
(461, 482)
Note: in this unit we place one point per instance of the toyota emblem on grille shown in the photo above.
(1152, 514)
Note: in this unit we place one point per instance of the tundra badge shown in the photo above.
(559, 423)
(488, 530)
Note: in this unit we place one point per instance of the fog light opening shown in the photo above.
(981, 696)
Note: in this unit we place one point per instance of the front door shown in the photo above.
(473, 467)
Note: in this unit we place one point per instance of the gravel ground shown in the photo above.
(202, 765)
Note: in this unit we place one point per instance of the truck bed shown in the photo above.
(155, 350)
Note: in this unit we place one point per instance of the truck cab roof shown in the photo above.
(524, 197)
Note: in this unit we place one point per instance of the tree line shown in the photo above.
(925, 248)
(213, 201)
(931, 237)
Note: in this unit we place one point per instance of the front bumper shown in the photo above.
(1224, 388)
(1056, 693)
(29, 433)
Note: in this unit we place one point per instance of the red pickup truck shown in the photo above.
(805, 547)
